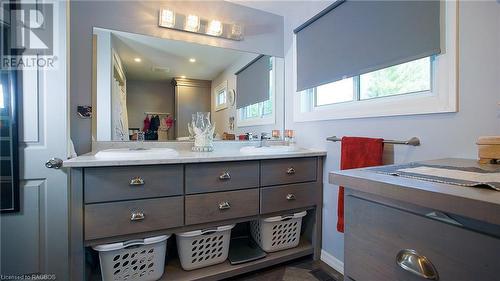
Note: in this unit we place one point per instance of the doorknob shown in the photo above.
(54, 163)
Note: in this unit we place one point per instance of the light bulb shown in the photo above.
(167, 18)
(192, 23)
(214, 28)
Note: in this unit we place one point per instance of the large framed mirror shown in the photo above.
(148, 87)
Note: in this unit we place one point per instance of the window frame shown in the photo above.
(262, 119)
(217, 90)
(443, 96)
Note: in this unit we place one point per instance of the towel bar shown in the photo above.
(414, 141)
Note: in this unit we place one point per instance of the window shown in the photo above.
(336, 92)
(263, 112)
(220, 96)
(406, 78)
(423, 86)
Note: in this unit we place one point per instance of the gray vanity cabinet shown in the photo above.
(405, 229)
(129, 202)
(376, 234)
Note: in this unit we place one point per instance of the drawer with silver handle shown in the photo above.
(281, 198)
(105, 184)
(135, 216)
(218, 206)
(286, 171)
(211, 177)
(385, 243)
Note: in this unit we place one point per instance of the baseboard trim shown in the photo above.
(332, 261)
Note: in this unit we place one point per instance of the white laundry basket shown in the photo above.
(277, 233)
(205, 247)
(134, 260)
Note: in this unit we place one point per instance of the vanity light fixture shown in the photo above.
(192, 23)
(192, 60)
(137, 59)
(167, 18)
(214, 28)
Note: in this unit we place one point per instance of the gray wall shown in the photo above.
(156, 96)
(263, 34)
(442, 135)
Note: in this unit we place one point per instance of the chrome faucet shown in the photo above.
(264, 137)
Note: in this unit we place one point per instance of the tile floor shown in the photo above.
(299, 270)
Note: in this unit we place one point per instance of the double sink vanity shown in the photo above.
(160, 104)
(116, 199)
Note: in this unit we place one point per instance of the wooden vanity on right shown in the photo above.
(399, 228)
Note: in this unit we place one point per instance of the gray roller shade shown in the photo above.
(350, 38)
(252, 82)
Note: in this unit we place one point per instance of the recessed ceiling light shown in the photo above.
(137, 59)
(192, 60)
(183, 76)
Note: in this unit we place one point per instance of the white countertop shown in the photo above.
(187, 156)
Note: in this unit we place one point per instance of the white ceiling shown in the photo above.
(172, 55)
(286, 8)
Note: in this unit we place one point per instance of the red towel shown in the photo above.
(357, 153)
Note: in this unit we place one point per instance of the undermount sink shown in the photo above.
(130, 153)
(267, 149)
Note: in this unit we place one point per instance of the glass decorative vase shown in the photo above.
(202, 131)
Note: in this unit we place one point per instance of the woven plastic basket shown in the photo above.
(277, 233)
(134, 260)
(201, 248)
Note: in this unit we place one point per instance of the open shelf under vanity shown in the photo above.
(174, 272)
(190, 201)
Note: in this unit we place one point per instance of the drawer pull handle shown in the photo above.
(224, 206)
(136, 181)
(290, 171)
(411, 261)
(290, 196)
(137, 216)
(442, 217)
(225, 176)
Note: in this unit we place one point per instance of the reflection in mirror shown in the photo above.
(149, 88)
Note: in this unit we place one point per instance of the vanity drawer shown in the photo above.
(117, 218)
(132, 182)
(285, 171)
(375, 234)
(281, 198)
(219, 206)
(210, 177)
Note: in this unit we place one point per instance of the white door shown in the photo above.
(35, 240)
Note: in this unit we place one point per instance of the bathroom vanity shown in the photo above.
(406, 229)
(152, 84)
(118, 200)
